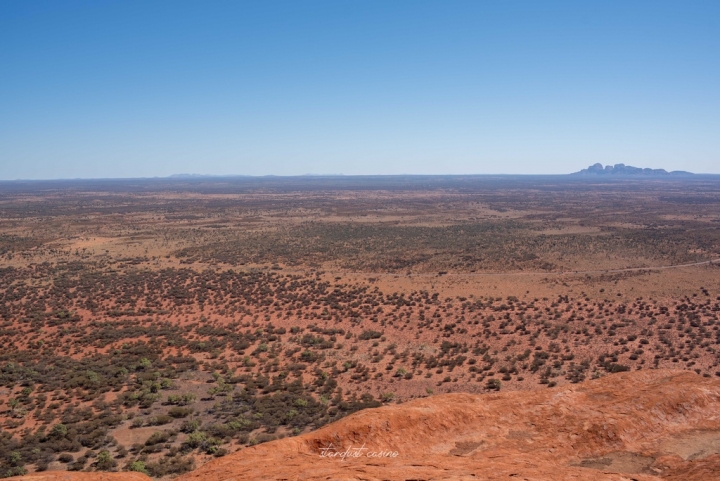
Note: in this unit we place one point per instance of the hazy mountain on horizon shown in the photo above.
(622, 169)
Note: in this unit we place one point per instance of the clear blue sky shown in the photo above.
(153, 88)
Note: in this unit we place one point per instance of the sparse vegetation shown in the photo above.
(211, 326)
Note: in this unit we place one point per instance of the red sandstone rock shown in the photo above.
(643, 425)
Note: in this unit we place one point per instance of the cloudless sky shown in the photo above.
(152, 88)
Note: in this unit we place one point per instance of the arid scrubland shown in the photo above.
(152, 325)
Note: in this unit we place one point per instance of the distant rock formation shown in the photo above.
(622, 169)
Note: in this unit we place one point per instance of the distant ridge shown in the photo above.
(200, 176)
(622, 169)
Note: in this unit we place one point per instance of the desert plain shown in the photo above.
(159, 326)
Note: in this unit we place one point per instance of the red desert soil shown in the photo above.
(642, 425)
(66, 476)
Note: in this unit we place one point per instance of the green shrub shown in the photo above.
(157, 437)
(138, 466)
(367, 335)
(105, 461)
(195, 439)
(190, 426)
(493, 384)
(386, 397)
(65, 458)
(180, 412)
(160, 419)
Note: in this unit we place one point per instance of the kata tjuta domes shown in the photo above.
(622, 169)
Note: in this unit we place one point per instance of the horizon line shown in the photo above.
(185, 177)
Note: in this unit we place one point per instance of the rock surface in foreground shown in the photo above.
(642, 425)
